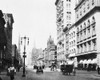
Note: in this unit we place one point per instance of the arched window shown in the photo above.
(74, 50)
(88, 24)
(71, 35)
(74, 33)
(93, 20)
(71, 43)
(77, 29)
(84, 25)
(93, 26)
(74, 42)
(80, 27)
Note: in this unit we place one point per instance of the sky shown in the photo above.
(34, 18)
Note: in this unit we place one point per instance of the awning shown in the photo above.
(94, 61)
(71, 55)
(93, 52)
(81, 61)
(85, 61)
(88, 61)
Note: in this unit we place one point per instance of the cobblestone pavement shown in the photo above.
(56, 75)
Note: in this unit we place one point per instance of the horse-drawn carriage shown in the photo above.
(39, 69)
(68, 69)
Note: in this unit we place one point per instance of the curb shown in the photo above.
(97, 75)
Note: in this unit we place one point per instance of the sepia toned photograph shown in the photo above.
(49, 40)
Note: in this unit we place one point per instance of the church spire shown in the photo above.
(19, 44)
(34, 44)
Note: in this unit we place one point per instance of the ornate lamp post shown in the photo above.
(24, 56)
(56, 55)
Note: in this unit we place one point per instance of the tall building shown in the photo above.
(3, 42)
(64, 9)
(8, 30)
(88, 31)
(60, 25)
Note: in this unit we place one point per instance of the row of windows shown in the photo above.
(60, 9)
(68, 6)
(72, 43)
(60, 47)
(60, 24)
(84, 25)
(68, 12)
(60, 36)
(60, 4)
(67, 46)
(85, 8)
(59, 29)
(60, 13)
(87, 46)
(72, 35)
(86, 32)
(72, 51)
(68, 17)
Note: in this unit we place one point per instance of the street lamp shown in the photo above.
(56, 55)
(24, 56)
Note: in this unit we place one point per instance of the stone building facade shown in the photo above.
(49, 52)
(64, 9)
(88, 32)
(8, 31)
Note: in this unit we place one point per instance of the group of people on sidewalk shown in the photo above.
(11, 71)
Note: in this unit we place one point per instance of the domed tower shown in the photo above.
(50, 50)
(50, 41)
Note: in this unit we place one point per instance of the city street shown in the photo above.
(53, 75)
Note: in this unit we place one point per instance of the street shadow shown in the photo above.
(0, 78)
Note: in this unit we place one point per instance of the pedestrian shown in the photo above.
(8, 70)
(98, 69)
(12, 72)
(18, 68)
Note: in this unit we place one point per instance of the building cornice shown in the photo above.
(87, 15)
(77, 5)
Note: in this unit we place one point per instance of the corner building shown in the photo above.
(8, 31)
(88, 31)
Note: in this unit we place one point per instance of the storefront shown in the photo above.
(87, 61)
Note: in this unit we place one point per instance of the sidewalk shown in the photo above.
(18, 76)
